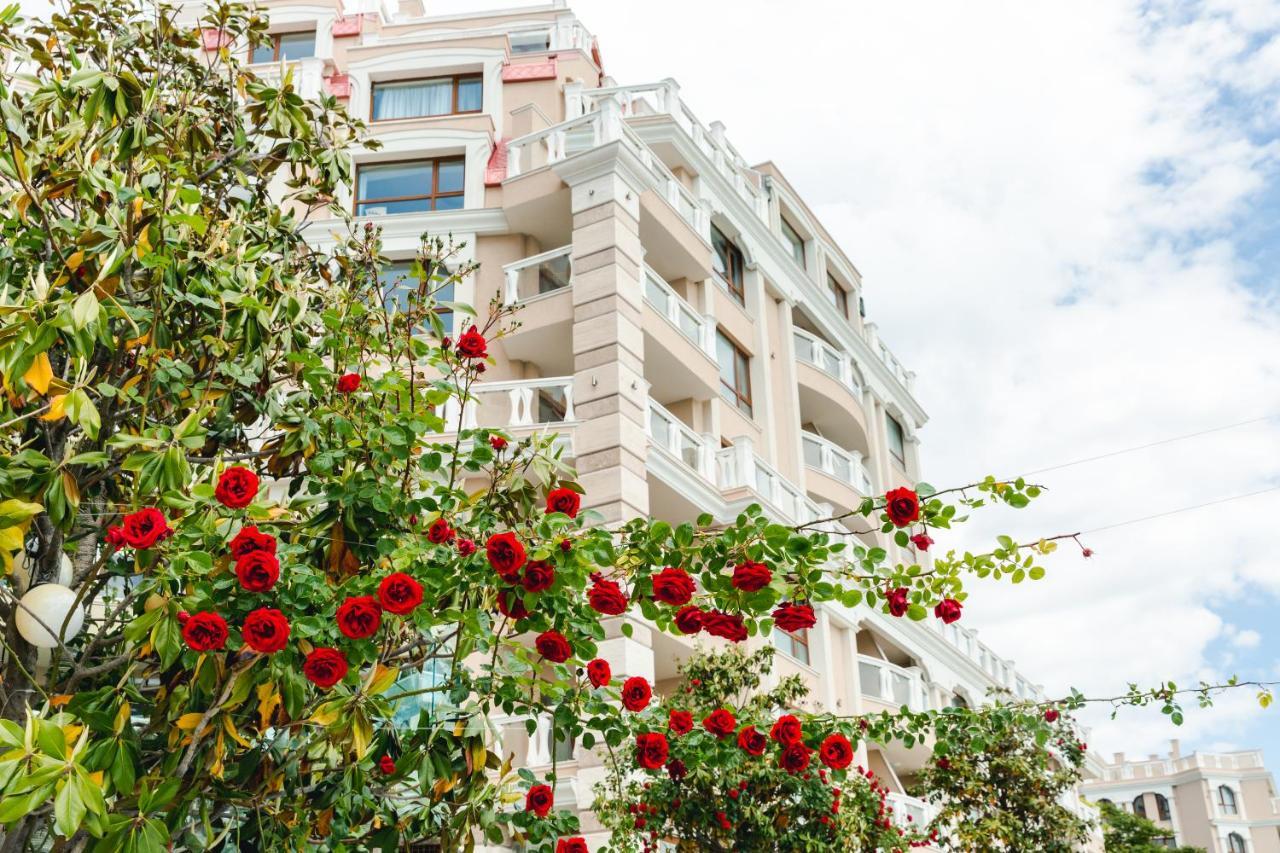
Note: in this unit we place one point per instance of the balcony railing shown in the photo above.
(535, 276)
(871, 333)
(839, 365)
(739, 466)
(910, 812)
(889, 683)
(307, 74)
(558, 142)
(663, 98)
(699, 329)
(834, 461)
(519, 403)
(670, 433)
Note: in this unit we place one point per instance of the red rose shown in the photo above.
(948, 610)
(689, 620)
(498, 443)
(265, 630)
(237, 487)
(115, 537)
(359, 616)
(651, 750)
(606, 597)
(787, 730)
(794, 617)
(466, 547)
(399, 594)
(538, 575)
(250, 538)
(440, 532)
(922, 541)
(902, 505)
(836, 752)
(720, 723)
(539, 800)
(897, 601)
(144, 528)
(387, 765)
(728, 626)
(599, 673)
(1051, 715)
(553, 646)
(572, 845)
(636, 693)
(680, 722)
(205, 632)
(751, 577)
(511, 605)
(752, 742)
(471, 344)
(673, 586)
(677, 770)
(325, 667)
(258, 571)
(943, 763)
(348, 383)
(564, 500)
(506, 555)
(794, 758)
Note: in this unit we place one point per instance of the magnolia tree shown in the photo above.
(253, 594)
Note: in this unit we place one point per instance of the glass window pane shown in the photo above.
(795, 240)
(470, 95)
(396, 284)
(449, 202)
(530, 42)
(450, 180)
(725, 357)
(380, 208)
(297, 46)
(897, 440)
(395, 180)
(264, 52)
(415, 98)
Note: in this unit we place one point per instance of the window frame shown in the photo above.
(737, 289)
(1140, 805)
(455, 85)
(789, 232)
(902, 431)
(841, 295)
(1234, 808)
(795, 640)
(1236, 843)
(434, 195)
(741, 356)
(1162, 808)
(275, 47)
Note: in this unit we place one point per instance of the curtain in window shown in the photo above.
(406, 100)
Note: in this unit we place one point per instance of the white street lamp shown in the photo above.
(48, 603)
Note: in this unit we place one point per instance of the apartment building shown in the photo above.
(687, 327)
(1223, 802)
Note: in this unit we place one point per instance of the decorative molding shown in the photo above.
(529, 71)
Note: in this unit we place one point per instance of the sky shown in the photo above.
(1067, 217)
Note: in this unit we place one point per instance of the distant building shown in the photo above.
(1224, 802)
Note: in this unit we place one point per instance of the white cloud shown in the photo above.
(1042, 198)
(1247, 639)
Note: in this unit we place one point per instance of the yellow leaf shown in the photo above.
(75, 260)
(40, 373)
(71, 733)
(71, 488)
(361, 734)
(122, 717)
(383, 677)
(57, 409)
(188, 722)
(268, 701)
(444, 786)
(96, 778)
(327, 713)
(1265, 699)
(231, 730)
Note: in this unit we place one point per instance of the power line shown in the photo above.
(1158, 443)
(1181, 510)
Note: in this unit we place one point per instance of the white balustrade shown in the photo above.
(698, 328)
(813, 350)
(306, 75)
(834, 461)
(529, 402)
(910, 812)
(544, 273)
(670, 433)
(890, 683)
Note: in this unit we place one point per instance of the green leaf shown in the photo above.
(68, 809)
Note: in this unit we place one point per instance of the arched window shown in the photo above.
(1162, 806)
(1140, 805)
(1227, 801)
(1235, 842)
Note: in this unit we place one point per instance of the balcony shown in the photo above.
(540, 287)
(845, 481)
(530, 278)
(890, 685)
(679, 344)
(812, 350)
(672, 435)
(306, 75)
(520, 405)
(910, 812)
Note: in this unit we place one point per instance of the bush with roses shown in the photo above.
(309, 595)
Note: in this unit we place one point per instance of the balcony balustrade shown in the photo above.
(910, 812)
(699, 329)
(538, 275)
(670, 433)
(528, 402)
(814, 351)
(836, 462)
(891, 684)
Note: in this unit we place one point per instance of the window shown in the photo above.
(398, 285)
(287, 47)
(1105, 801)
(728, 265)
(1162, 806)
(795, 644)
(794, 240)
(838, 297)
(1235, 843)
(1140, 805)
(1227, 800)
(561, 747)
(735, 372)
(438, 96)
(533, 42)
(897, 440)
(410, 187)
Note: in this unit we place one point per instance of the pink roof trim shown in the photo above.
(495, 172)
(529, 71)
